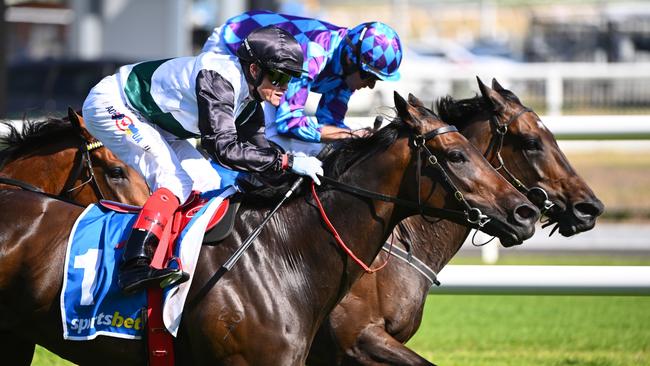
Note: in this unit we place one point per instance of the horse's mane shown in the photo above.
(35, 132)
(343, 155)
(459, 112)
(32, 133)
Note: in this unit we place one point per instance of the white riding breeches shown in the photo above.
(163, 159)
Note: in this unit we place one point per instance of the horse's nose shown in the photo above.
(526, 214)
(588, 210)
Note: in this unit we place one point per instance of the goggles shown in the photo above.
(278, 78)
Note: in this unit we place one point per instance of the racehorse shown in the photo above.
(61, 157)
(384, 310)
(267, 309)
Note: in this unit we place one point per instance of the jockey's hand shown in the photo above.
(307, 165)
(363, 132)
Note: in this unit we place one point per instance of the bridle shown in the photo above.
(83, 161)
(536, 195)
(469, 214)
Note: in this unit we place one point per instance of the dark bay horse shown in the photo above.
(384, 310)
(267, 309)
(61, 157)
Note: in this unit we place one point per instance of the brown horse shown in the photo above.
(60, 157)
(267, 309)
(384, 310)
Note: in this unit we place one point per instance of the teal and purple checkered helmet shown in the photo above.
(375, 48)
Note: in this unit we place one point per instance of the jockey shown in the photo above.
(339, 62)
(146, 112)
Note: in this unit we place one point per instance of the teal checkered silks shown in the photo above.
(380, 49)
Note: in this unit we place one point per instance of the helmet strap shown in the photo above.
(347, 65)
(253, 82)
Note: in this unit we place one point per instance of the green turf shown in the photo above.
(483, 330)
(43, 357)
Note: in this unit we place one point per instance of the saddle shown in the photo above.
(221, 223)
(160, 346)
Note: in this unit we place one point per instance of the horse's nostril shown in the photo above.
(526, 213)
(591, 209)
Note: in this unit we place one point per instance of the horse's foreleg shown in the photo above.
(14, 350)
(375, 346)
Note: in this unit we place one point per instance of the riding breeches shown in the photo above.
(163, 159)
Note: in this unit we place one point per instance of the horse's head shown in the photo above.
(114, 178)
(440, 158)
(527, 154)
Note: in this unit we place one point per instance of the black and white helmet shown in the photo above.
(272, 48)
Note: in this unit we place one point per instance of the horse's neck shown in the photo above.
(303, 244)
(433, 242)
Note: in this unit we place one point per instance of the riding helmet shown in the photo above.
(376, 48)
(273, 48)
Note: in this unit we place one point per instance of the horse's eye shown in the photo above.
(116, 173)
(531, 144)
(456, 157)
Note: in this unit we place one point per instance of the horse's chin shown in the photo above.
(510, 241)
(507, 235)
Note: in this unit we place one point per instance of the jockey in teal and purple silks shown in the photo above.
(332, 57)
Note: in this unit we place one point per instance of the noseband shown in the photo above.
(84, 161)
(537, 195)
(470, 214)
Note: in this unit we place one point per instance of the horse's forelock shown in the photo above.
(510, 96)
(460, 112)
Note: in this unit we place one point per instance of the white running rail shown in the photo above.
(544, 280)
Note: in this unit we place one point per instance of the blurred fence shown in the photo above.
(544, 280)
(590, 127)
(549, 88)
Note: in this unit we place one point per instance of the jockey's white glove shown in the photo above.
(307, 165)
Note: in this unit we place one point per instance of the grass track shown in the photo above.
(482, 330)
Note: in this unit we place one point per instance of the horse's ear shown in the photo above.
(405, 111)
(79, 125)
(401, 106)
(496, 86)
(74, 119)
(414, 101)
(491, 96)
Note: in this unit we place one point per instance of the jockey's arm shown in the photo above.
(328, 123)
(219, 136)
(330, 133)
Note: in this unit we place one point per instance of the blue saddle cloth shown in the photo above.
(91, 302)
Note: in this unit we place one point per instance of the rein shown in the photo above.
(84, 161)
(471, 214)
(340, 242)
(537, 195)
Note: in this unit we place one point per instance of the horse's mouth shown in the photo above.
(508, 235)
(568, 225)
(568, 222)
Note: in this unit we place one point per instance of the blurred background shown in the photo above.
(583, 66)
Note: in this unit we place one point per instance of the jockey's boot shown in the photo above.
(135, 271)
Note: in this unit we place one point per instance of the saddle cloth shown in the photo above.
(91, 302)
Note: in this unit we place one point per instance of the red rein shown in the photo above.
(338, 237)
